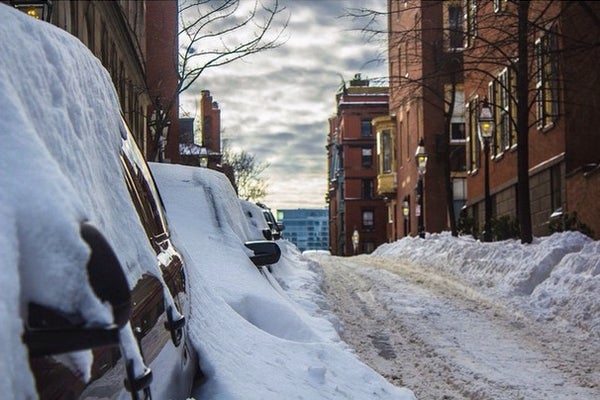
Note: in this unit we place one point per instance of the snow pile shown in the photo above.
(555, 277)
(254, 340)
(302, 278)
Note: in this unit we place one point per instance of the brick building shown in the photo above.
(563, 93)
(445, 57)
(352, 169)
(426, 83)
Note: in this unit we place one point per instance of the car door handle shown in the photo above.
(174, 324)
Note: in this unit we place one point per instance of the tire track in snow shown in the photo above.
(444, 341)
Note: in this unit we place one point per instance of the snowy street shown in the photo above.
(421, 329)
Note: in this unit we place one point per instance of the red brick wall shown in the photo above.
(583, 192)
(211, 122)
(161, 64)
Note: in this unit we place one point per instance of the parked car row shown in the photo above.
(257, 218)
(275, 227)
(104, 287)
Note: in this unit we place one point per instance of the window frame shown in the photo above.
(363, 131)
(470, 16)
(474, 143)
(386, 151)
(367, 189)
(547, 70)
(366, 160)
(456, 31)
(367, 223)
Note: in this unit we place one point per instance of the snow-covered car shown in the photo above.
(214, 197)
(275, 227)
(98, 294)
(256, 219)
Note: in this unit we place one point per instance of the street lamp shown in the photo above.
(203, 157)
(40, 9)
(406, 213)
(421, 160)
(486, 130)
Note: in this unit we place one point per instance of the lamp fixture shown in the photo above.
(486, 120)
(39, 9)
(421, 156)
(405, 208)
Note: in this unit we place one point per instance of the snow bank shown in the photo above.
(553, 277)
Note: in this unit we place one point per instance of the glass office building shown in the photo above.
(307, 228)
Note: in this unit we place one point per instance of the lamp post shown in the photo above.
(40, 9)
(486, 130)
(406, 213)
(421, 160)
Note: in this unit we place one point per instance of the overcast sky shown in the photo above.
(276, 104)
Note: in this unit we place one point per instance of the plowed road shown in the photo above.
(444, 341)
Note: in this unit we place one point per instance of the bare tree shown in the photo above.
(213, 33)
(246, 174)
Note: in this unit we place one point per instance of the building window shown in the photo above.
(499, 6)
(470, 16)
(406, 74)
(400, 144)
(556, 187)
(458, 142)
(546, 56)
(407, 125)
(367, 157)
(74, 28)
(455, 27)
(367, 189)
(458, 158)
(365, 128)
(400, 61)
(501, 95)
(474, 145)
(368, 217)
(386, 151)
(457, 132)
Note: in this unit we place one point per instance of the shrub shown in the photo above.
(505, 227)
(569, 222)
(466, 225)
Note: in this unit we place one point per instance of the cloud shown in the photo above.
(276, 104)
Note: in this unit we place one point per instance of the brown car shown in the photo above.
(155, 307)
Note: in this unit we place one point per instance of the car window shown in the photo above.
(268, 217)
(142, 188)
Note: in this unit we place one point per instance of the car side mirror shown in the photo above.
(281, 227)
(49, 331)
(265, 252)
